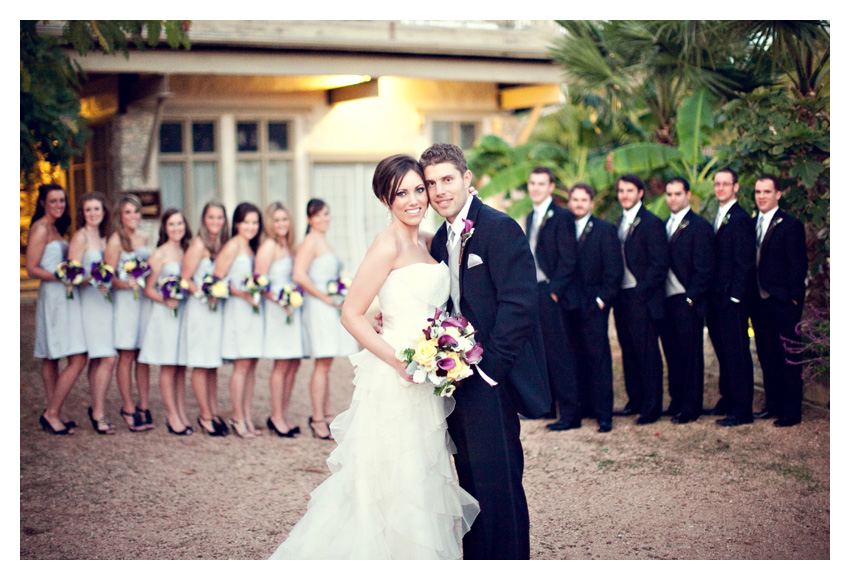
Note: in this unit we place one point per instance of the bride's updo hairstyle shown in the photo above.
(388, 176)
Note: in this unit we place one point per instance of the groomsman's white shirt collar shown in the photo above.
(457, 225)
(540, 211)
(677, 217)
(581, 223)
(630, 214)
(722, 211)
(766, 223)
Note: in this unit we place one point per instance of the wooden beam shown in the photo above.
(530, 96)
(349, 93)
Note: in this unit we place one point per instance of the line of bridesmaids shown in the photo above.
(134, 323)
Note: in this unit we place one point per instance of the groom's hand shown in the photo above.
(378, 323)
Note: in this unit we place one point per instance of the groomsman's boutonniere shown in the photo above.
(725, 220)
(588, 226)
(546, 217)
(777, 222)
(683, 225)
(468, 230)
(632, 226)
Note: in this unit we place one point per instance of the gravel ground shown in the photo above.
(654, 492)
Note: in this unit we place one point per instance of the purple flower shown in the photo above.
(446, 341)
(467, 226)
(473, 355)
(452, 322)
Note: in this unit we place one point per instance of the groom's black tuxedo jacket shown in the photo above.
(600, 266)
(499, 297)
(556, 249)
(648, 259)
(782, 267)
(692, 258)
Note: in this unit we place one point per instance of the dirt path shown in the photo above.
(661, 491)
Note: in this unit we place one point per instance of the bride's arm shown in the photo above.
(370, 276)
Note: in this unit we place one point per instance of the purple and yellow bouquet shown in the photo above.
(291, 297)
(211, 290)
(444, 355)
(71, 273)
(136, 269)
(256, 284)
(338, 289)
(173, 287)
(101, 275)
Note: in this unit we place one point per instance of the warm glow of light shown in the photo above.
(322, 83)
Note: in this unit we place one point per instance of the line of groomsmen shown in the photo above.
(666, 281)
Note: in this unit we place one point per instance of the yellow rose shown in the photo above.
(296, 300)
(129, 265)
(184, 283)
(219, 289)
(333, 287)
(425, 352)
(460, 367)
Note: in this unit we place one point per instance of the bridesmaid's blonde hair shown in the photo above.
(268, 219)
(123, 235)
(213, 245)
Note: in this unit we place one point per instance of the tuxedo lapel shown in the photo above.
(587, 228)
(682, 225)
(774, 221)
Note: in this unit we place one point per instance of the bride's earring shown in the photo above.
(389, 216)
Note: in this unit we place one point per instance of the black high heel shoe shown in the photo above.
(327, 437)
(185, 431)
(220, 425)
(101, 426)
(138, 423)
(145, 417)
(270, 424)
(45, 424)
(216, 431)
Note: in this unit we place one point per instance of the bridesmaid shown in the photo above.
(160, 343)
(200, 339)
(128, 242)
(242, 328)
(58, 322)
(315, 266)
(282, 341)
(87, 246)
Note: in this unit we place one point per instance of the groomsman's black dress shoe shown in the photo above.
(563, 425)
(681, 419)
(732, 422)
(786, 422)
(721, 408)
(625, 412)
(669, 412)
(645, 420)
(764, 415)
(605, 426)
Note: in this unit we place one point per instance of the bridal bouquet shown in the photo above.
(101, 275)
(290, 298)
(71, 273)
(137, 270)
(444, 355)
(211, 290)
(173, 287)
(256, 284)
(338, 289)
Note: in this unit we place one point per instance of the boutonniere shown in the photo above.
(587, 227)
(725, 220)
(683, 225)
(546, 217)
(468, 230)
(777, 222)
(633, 225)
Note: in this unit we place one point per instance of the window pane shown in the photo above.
(467, 135)
(203, 137)
(205, 186)
(278, 136)
(171, 138)
(280, 182)
(171, 185)
(246, 137)
(442, 132)
(248, 184)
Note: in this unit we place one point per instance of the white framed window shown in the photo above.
(264, 159)
(464, 134)
(189, 164)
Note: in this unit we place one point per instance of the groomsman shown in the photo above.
(639, 307)
(551, 235)
(777, 302)
(735, 259)
(686, 288)
(599, 271)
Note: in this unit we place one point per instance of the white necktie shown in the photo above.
(759, 231)
(670, 228)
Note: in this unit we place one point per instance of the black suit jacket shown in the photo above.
(734, 257)
(692, 258)
(556, 248)
(648, 259)
(784, 262)
(499, 297)
(599, 268)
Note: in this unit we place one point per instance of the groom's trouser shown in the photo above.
(485, 429)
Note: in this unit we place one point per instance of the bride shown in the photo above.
(392, 493)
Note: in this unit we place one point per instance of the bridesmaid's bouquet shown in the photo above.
(212, 290)
(256, 284)
(291, 297)
(444, 355)
(338, 289)
(101, 276)
(173, 287)
(71, 273)
(136, 269)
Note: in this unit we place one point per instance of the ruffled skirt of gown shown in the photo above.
(392, 493)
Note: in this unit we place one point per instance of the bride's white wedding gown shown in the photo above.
(392, 493)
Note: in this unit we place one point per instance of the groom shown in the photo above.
(494, 286)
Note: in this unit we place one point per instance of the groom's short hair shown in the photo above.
(444, 153)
